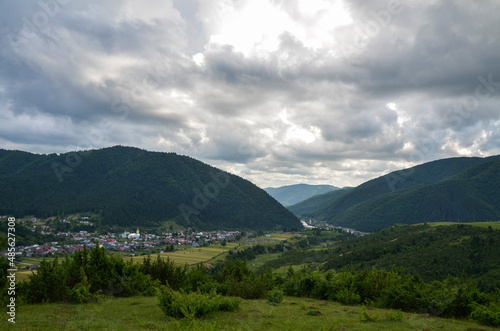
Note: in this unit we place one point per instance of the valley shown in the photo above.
(420, 241)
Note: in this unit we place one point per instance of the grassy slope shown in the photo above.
(143, 313)
(494, 225)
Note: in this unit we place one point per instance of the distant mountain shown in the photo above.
(292, 194)
(316, 202)
(131, 187)
(455, 189)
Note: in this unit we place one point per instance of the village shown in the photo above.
(126, 242)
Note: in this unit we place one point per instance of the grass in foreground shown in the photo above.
(144, 313)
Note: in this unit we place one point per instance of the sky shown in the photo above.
(276, 91)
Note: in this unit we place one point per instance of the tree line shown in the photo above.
(183, 292)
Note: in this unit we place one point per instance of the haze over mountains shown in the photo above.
(463, 189)
(292, 194)
(130, 187)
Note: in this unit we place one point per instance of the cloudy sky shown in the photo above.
(276, 91)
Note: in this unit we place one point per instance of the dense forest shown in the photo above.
(456, 189)
(431, 252)
(133, 187)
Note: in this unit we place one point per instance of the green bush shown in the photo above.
(348, 296)
(4, 281)
(47, 284)
(489, 315)
(242, 282)
(80, 294)
(196, 304)
(275, 296)
(165, 271)
(365, 317)
(396, 316)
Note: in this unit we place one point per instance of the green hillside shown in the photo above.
(129, 186)
(432, 252)
(292, 194)
(144, 313)
(456, 189)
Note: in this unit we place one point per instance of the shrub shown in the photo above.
(80, 294)
(489, 315)
(396, 316)
(165, 270)
(240, 281)
(196, 304)
(275, 296)
(47, 284)
(365, 317)
(348, 296)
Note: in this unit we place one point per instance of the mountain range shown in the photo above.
(292, 194)
(454, 189)
(128, 186)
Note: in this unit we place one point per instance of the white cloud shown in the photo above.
(199, 59)
(254, 27)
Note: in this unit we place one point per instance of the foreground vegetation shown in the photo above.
(194, 296)
(195, 292)
(144, 313)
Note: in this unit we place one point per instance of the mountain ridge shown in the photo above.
(441, 190)
(129, 186)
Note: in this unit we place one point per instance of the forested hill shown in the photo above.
(455, 189)
(433, 251)
(129, 186)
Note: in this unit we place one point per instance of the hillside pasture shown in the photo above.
(494, 225)
(144, 313)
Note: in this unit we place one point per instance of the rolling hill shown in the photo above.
(292, 194)
(129, 186)
(433, 251)
(455, 189)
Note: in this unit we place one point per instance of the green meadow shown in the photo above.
(143, 313)
(494, 225)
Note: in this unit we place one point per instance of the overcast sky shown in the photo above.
(276, 91)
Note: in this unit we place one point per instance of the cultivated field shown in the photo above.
(193, 255)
